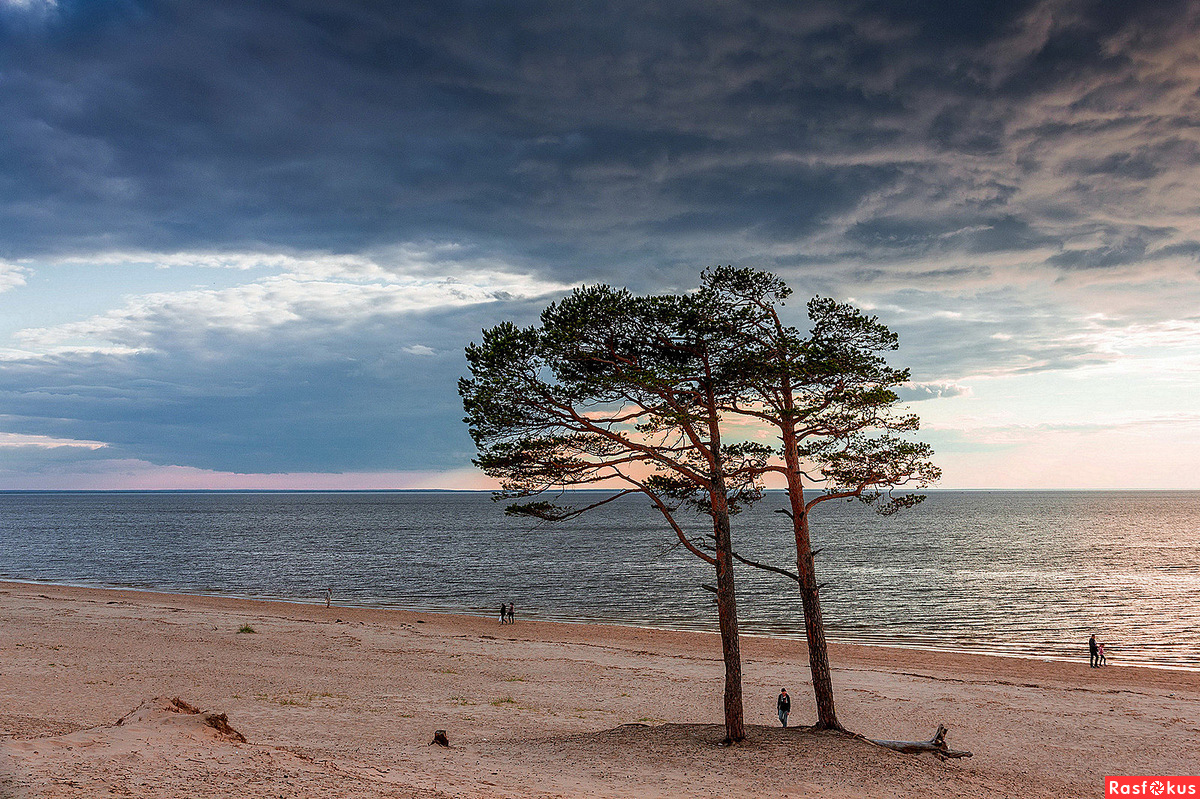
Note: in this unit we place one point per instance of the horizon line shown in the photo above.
(491, 491)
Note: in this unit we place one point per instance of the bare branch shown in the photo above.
(541, 510)
(766, 567)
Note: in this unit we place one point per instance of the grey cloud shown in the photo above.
(780, 202)
(1125, 245)
(917, 392)
(921, 237)
(1125, 252)
(997, 332)
(1140, 165)
(303, 396)
(28, 467)
(1186, 248)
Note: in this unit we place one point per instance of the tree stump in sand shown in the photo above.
(936, 744)
(439, 738)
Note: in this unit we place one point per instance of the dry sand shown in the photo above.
(343, 702)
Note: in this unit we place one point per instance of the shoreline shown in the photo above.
(343, 702)
(833, 639)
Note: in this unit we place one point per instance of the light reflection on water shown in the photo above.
(1030, 573)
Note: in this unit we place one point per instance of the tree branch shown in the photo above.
(766, 567)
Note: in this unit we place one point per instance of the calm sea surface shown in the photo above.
(1029, 573)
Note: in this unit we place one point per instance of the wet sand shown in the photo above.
(344, 702)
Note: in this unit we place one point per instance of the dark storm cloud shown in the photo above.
(542, 131)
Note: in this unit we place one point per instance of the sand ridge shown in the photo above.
(344, 702)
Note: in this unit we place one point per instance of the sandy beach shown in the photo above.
(344, 702)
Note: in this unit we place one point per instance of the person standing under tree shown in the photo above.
(783, 705)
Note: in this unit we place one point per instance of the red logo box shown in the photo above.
(1152, 786)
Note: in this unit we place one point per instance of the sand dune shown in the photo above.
(343, 702)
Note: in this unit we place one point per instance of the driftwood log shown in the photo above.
(936, 744)
(439, 738)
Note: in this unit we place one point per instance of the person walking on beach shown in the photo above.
(784, 705)
(328, 596)
(511, 613)
(1100, 652)
(1094, 650)
(503, 612)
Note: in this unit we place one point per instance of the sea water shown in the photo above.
(1000, 572)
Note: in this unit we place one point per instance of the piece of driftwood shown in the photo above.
(439, 738)
(220, 723)
(936, 744)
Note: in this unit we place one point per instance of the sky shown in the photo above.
(243, 245)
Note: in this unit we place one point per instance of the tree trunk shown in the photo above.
(814, 625)
(814, 630)
(727, 615)
(726, 600)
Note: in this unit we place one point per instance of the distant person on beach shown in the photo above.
(783, 705)
(328, 596)
(1094, 649)
(512, 613)
(503, 612)
(1100, 652)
